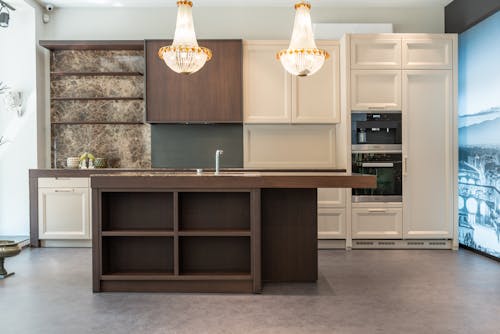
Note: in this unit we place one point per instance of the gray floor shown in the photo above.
(358, 292)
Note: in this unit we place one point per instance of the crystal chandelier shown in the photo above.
(184, 55)
(302, 57)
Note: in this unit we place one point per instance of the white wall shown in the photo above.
(235, 22)
(18, 70)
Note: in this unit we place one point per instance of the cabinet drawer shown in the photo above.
(376, 90)
(377, 223)
(435, 53)
(370, 52)
(64, 182)
(331, 224)
(331, 198)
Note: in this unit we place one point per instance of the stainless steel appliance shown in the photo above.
(388, 169)
(371, 130)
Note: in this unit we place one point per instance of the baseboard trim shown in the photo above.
(66, 243)
(331, 244)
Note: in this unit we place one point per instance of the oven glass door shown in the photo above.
(388, 169)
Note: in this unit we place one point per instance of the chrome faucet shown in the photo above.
(218, 154)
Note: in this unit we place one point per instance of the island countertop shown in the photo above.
(232, 180)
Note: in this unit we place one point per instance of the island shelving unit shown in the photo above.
(182, 232)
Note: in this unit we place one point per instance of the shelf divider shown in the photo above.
(127, 98)
(92, 74)
(138, 233)
(215, 233)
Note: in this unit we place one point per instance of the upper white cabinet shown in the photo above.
(375, 52)
(428, 53)
(273, 96)
(267, 87)
(427, 153)
(63, 208)
(317, 97)
(289, 146)
(376, 89)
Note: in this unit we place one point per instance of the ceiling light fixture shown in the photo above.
(5, 14)
(302, 58)
(184, 55)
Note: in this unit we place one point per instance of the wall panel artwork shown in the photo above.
(479, 137)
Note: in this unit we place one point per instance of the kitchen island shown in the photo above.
(183, 232)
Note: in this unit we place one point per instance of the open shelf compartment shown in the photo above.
(214, 211)
(215, 256)
(137, 211)
(133, 256)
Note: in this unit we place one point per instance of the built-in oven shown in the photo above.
(372, 130)
(387, 166)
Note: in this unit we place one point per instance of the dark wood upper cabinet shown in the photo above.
(214, 94)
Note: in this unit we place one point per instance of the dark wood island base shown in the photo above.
(188, 233)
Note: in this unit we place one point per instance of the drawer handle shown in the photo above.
(63, 178)
(377, 210)
(64, 190)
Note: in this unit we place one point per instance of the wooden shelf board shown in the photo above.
(91, 74)
(93, 45)
(94, 98)
(138, 233)
(171, 277)
(96, 123)
(215, 233)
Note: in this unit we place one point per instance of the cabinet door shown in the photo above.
(331, 224)
(213, 94)
(63, 213)
(331, 198)
(289, 146)
(376, 90)
(317, 97)
(375, 52)
(427, 171)
(377, 223)
(429, 53)
(267, 86)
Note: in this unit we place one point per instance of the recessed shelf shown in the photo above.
(215, 233)
(95, 98)
(138, 233)
(93, 74)
(97, 123)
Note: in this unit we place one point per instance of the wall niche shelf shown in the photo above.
(85, 77)
(95, 74)
(95, 98)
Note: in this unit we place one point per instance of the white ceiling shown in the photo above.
(246, 3)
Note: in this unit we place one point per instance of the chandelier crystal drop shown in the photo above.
(184, 55)
(302, 58)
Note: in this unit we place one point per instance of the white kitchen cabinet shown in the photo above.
(331, 198)
(64, 209)
(432, 52)
(273, 96)
(267, 87)
(427, 153)
(376, 90)
(289, 146)
(331, 223)
(375, 52)
(377, 221)
(316, 98)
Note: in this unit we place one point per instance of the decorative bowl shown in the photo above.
(100, 163)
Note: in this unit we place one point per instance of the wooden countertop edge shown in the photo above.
(123, 182)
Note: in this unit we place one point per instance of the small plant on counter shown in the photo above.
(87, 160)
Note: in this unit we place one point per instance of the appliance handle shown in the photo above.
(377, 108)
(405, 166)
(377, 210)
(378, 164)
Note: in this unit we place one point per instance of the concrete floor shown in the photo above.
(358, 292)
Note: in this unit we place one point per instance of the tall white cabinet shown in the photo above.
(428, 154)
(417, 75)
